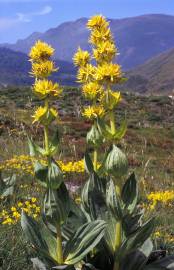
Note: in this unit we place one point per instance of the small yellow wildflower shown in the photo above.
(43, 69)
(86, 73)
(44, 115)
(92, 112)
(81, 58)
(33, 199)
(41, 51)
(108, 73)
(99, 36)
(105, 52)
(97, 21)
(43, 88)
(91, 90)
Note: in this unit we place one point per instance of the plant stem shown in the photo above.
(59, 246)
(112, 122)
(118, 236)
(46, 135)
(95, 159)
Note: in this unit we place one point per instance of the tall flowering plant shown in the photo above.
(106, 231)
(63, 236)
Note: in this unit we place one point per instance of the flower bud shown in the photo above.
(116, 162)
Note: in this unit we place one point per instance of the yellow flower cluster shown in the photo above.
(13, 215)
(165, 236)
(166, 198)
(92, 112)
(44, 89)
(97, 79)
(24, 164)
(44, 115)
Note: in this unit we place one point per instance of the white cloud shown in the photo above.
(8, 22)
(27, 17)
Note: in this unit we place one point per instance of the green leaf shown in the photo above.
(121, 131)
(166, 263)
(34, 149)
(76, 218)
(113, 201)
(130, 193)
(116, 162)
(50, 240)
(54, 143)
(131, 223)
(93, 195)
(32, 231)
(55, 176)
(41, 173)
(83, 241)
(137, 239)
(138, 258)
(88, 163)
(56, 205)
(94, 136)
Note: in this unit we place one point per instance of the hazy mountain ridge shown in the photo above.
(15, 68)
(138, 38)
(156, 75)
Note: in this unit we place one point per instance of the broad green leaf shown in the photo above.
(130, 193)
(41, 173)
(32, 231)
(94, 136)
(50, 241)
(34, 149)
(83, 241)
(75, 219)
(55, 176)
(113, 201)
(137, 258)
(137, 239)
(56, 205)
(166, 263)
(88, 163)
(131, 223)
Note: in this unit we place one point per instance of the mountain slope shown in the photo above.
(15, 67)
(138, 38)
(156, 75)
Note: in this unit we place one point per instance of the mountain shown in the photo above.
(138, 38)
(15, 67)
(155, 76)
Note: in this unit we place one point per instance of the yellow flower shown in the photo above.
(44, 115)
(33, 199)
(43, 69)
(110, 99)
(97, 21)
(99, 36)
(92, 112)
(81, 58)
(41, 51)
(85, 73)
(43, 88)
(105, 52)
(108, 73)
(91, 90)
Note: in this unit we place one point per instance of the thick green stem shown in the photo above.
(95, 159)
(59, 246)
(118, 235)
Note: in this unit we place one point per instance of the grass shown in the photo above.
(148, 143)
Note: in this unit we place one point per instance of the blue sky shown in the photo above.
(19, 18)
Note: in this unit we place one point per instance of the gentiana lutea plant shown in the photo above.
(107, 230)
